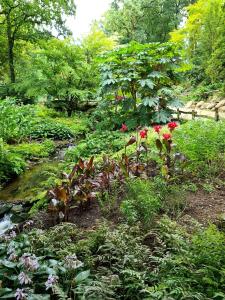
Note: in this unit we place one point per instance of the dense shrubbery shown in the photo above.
(98, 142)
(11, 164)
(203, 143)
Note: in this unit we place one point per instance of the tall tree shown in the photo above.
(144, 20)
(202, 38)
(23, 20)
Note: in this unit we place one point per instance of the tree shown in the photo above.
(144, 20)
(96, 42)
(57, 71)
(140, 78)
(202, 38)
(25, 20)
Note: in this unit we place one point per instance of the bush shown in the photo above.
(32, 150)
(50, 129)
(191, 268)
(203, 143)
(97, 143)
(11, 164)
(15, 121)
(142, 202)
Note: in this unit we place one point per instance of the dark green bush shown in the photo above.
(97, 143)
(50, 129)
(11, 164)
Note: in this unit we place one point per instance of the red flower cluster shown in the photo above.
(144, 133)
(124, 128)
(157, 128)
(167, 136)
(119, 98)
(172, 125)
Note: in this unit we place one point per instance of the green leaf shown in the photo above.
(82, 276)
(5, 291)
(151, 102)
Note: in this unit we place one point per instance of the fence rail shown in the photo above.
(195, 114)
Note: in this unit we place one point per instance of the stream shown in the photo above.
(26, 186)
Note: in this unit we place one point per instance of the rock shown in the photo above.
(200, 104)
(211, 105)
(16, 209)
(18, 218)
(222, 108)
(189, 104)
(220, 104)
(4, 209)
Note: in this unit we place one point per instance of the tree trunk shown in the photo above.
(10, 50)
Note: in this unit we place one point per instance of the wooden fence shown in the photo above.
(194, 114)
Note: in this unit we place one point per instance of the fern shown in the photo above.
(59, 293)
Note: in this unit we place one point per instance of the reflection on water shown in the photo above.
(26, 186)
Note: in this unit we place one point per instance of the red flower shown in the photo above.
(167, 136)
(119, 98)
(143, 133)
(124, 128)
(157, 128)
(172, 125)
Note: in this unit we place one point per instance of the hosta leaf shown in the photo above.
(38, 297)
(5, 291)
(82, 276)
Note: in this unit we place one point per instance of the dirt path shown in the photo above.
(206, 207)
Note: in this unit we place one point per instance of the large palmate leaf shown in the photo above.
(162, 116)
(147, 83)
(150, 101)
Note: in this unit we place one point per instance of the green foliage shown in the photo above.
(33, 150)
(15, 120)
(11, 164)
(202, 40)
(144, 21)
(49, 129)
(141, 203)
(98, 142)
(202, 142)
(23, 21)
(139, 79)
(193, 268)
(36, 276)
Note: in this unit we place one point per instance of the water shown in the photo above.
(34, 180)
(5, 224)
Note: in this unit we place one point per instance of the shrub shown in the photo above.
(191, 268)
(97, 143)
(50, 129)
(15, 121)
(32, 150)
(203, 143)
(11, 164)
(142, 202)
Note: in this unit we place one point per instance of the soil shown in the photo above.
(205, 207)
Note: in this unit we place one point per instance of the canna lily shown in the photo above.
(157, 128)
(167, 136)
(172, 125)
(143, 133)
(124, 128)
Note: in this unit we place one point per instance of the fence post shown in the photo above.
(178, 114)
(193, 113)
(217, 117)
